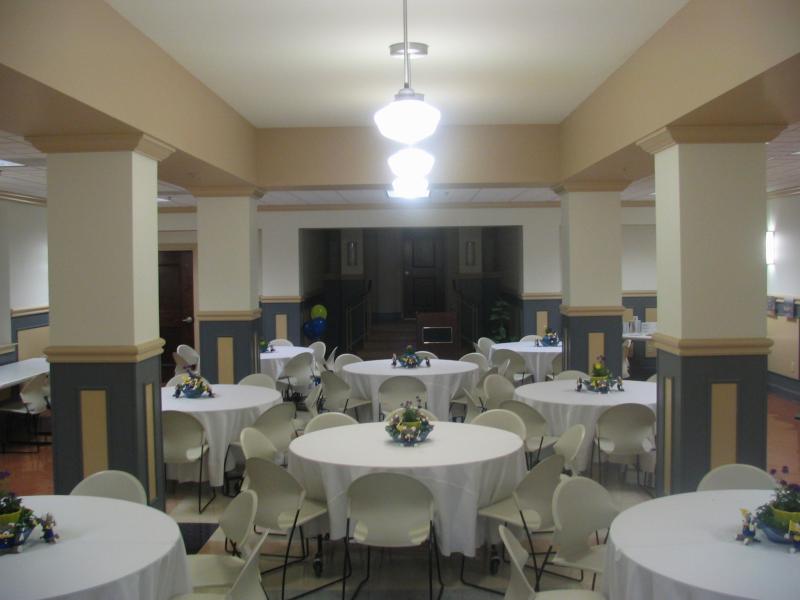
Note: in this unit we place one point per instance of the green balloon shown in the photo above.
(319, 312)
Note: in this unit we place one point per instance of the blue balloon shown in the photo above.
(315, 328)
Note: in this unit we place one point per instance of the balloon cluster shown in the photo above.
(316, 326)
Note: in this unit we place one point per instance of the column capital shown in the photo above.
(614, 185)
(102, 142)
(669, 136)
(712, 347)
(227, 191)
(105, 354)
(591, 311)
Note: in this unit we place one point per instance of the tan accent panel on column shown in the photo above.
(627, 315)
(32, 342)
(667, 434)
(596, 346)
(256, 366)
(650, 314)
(149, 409)
(94, 431)
(723, 424)
(281, 326)
(541, 322)
(225, 359)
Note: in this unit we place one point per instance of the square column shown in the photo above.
(103, 276)
(229, 277)
(711, 340)
(591, 274)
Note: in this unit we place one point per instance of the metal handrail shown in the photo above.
(351, 337)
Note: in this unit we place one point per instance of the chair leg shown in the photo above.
(475, 585)
(533, 552)
(200, 506)
(286, 556)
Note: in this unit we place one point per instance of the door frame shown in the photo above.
(441, 243)
(188, 247)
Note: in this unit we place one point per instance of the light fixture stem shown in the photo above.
(407, 74)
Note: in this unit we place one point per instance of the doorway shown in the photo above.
(423, 271)
(176, 304)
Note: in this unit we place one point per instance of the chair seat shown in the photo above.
(415, 537)
(310, 510)
(213, 570)
(356, 402)
(192, 455)
(594, 560)
(532, 444)
(609, 447)
(506, 511)
(570, 595)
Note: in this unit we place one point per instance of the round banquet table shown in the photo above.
(684, 547)
(464, 466)
(443, 380)
(563, 406)
(106, 549)
(232, 408)
(538, 359)
(272, 363)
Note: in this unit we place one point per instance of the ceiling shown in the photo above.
(312, 63)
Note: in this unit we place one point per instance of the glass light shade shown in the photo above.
(411, 163)
(770, 247)
(407, 119)
(409, 188)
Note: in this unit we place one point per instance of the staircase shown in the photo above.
(388, 338)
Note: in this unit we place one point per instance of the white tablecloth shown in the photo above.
(464, 466)
(21, 371)
(272, 363)
(107, 549)
(538, 359)
(563, 407)
(443, 380)
(683, 547)
(232, 408)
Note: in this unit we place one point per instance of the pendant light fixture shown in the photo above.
(408, 119)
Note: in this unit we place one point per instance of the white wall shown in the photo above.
(26, 234)
(783, 217)
(638, 257)
(313, 246)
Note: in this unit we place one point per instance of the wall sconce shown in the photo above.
(352, 253)
(469, 253)
(770, 241)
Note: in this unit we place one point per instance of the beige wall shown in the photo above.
(26, 236)
(639, 257)
(783, 217)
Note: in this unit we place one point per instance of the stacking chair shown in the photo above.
(531, 338)
(259, 380)
(118, 485)
(475, 406)
(318, 349)
(312, 403)
(626, 358)
(569, 445)
(281, 342)
(328, 420)
(186, 359)
(581, 507)
(496, 390)
(185, 443)
(557, 366)
(460, 400)
(537, 430)
(297, 375)
(485, 345)
(329, 362)
(622, 432)
(518, 586)
(33, 402)
(256, 445)
(478, 359)
(736, 477)
(338, 395)
(529, 507)
(516, 369)
(390, 510)
(570, 374)
(653, 378)
(277, 424)
(423, 354)
(502, 419)
(236, 523)
(395, 391)
(345, 359)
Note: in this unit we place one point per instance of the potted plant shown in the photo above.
(774, 516)
(500, 317)
(10, 504)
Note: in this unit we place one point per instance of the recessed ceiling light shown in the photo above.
(415, 50)
(653, 194)
(9, 163)
(796, 153)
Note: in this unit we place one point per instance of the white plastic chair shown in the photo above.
(556, 367)
(516, 369)
(318, 349)
(297, 374)
(570, 374)
(33, 402)
(329, 362)
(328, 420)
(485, 345)
(118, 485)
(626, 361)
(395, 391)
(536, 427)
(185, 443)
(475, 406)
(622, 432)
(236, 523)
(423, 354)
(478, 359)
(581, 507)
(277, 423)
(531, 338)
(281, 342)
(345, 359)
(496, 390)
(501, 419)
(259, 380)
(653, 378)
(186, 359)
(736, 477)
(338, 395)
(569, 444)
(256, 445)
(460, 401)
(390, 510)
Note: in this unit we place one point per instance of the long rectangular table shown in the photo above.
(19, 372)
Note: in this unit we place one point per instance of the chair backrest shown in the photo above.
(534, 494)
(281, 342)
(336, 391)
(256, 445)
(516, 364)
(318, 349)
(426, 413)
(572, 374)
(188, 359)
(328, 420)
(280, 495)
(531, 338)
(501, 419)
(535, 424)
(736, 477)
(581, 506)
(312, 400)
(518, 586)
(393, 392)
(653, 378)
(628, 426)
(485, 345)
(558, 364)
(277, 423)
(626, 362)
(259, 380)
(345, 359)
(118, 485)
(299, 367)
(478, 359)
(236, 521)
(389, 510)
(496, 390)
(181, 432)
(247, 585)
(569, 444)
(329, 362)
(426, 354)
(33, 394)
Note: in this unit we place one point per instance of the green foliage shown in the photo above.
(500, 318)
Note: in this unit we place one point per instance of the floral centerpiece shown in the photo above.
(409, 359)
(550, 338)
(600, 379)
(17, 521)
(193, 386)
(775, 518)
(265, 346)
(408, 425)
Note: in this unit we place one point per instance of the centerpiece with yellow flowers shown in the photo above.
(779, 519)
(408, 425)
(550, 338)
(601, 379)
(17, 522)
(193, 386)
(409, 359)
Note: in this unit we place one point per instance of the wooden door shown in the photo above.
(423, 272)
(176, 305)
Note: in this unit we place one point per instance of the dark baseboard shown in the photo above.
(784, 385)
